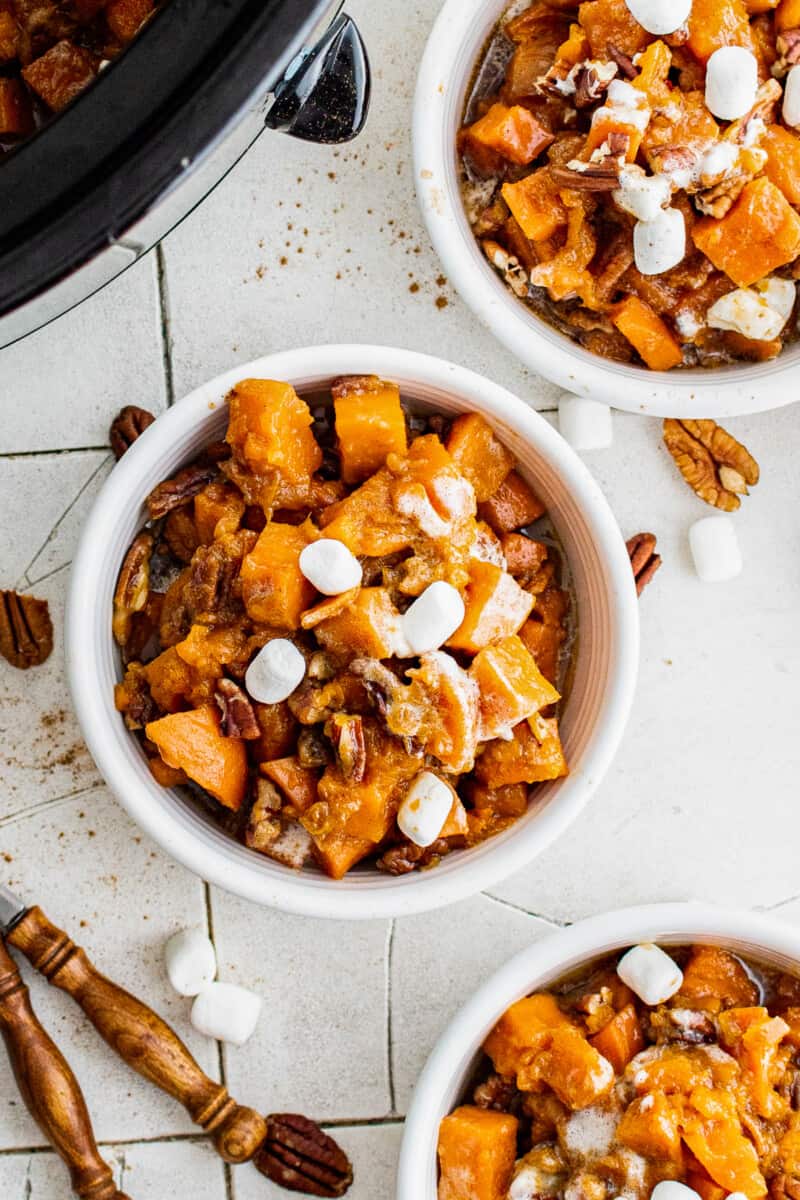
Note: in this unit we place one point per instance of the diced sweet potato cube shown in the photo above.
(521, 1032)
(647, 333)
(337, 854)
(477, 1151)
(545, 633)
(509, 801)
(9, 37)
(610, 22)
(717, 23)
(370, 424)
(513, 132)
(448, 697)
(654, 67)
(274, 589)
(512, 688)
(16, 114)
(711, 1129)
(650, 1127)
(524, 556)
(218, 510)
(496, 607)
(621, 1039)
(787, 15)
(369, 626)
(193, 742)
(479, 454)
(298, 784)
(603, 126)
(125, 17)
(170, 679)
(713, 979)
(513, 505)
(754, 1039)
(760, 233)
(527, 758)
(575, 49)
(60, 74)
(536, 205)
(366, 520)
(278, 732)
(783, 164)
(567, 1063)
(269, 426)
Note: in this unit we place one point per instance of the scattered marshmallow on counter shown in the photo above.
(425, 809)
(660, 244)
(791, 98)
(715, 549)
(641, 195)
(433, 617)
(191, 961)
(758, 313)
(670, 1189)
(330, 567)
(731, 82)
(585, 424)
(226, 1012)
(275, 672)
(650, 973)
(660, 16)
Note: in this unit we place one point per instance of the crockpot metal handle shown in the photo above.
(324, 95)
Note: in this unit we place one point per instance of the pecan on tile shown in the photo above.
(133, 586)
(129, 423)
(347, 735)
(26, 631)
(180, 489)
(644, 560)
(301, 1157)
(237, 716)
(716, 466)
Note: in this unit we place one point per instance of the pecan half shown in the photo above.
(179, 490)
(626, 65)
(402, 859)
(133, 586)
(716, 466)
(591, 83)
(300, 1156)
(238, 717)
(644, 560)
(591, 177)
(26, 631)
(129, 423)
(347, 736)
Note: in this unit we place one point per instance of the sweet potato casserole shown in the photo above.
(631, 168)
(641, 1073)
(336, 629)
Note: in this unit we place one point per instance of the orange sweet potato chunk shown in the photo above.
(270, 427)
(60, 74)
(477, 1151)
(621, 1039)
(577, 1073)
(512, 132)
(759, 234)
(787, 15)
(713, 979)
(716, 23)
(527, 758)
(274, 590)
(16, 115)
(298, 784)
(370, 424)
(711, 1129)
(536, 205)
(650, 1127)
(496, 607)
(513, 505)
(521, 1031)
(603, 127)
(479, 454)
(193, 742)
(647, 333)
(783, 162)
(369, 625)
(125, 17)
(754, 1039)
(610, 22)
(512, 688)
(366, 520)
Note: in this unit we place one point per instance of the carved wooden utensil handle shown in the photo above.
(140, 1037)
(50, 1089)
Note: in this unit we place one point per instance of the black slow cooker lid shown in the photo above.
(98, 167)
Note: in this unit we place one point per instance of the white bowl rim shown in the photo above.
(545, 960)
(731, 391)
(296, 893)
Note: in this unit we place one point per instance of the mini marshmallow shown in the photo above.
(748, 311)
(715, 549)
(660, 245)
(275, 672)
(660, 16)
(433, 617)
(731, 82)
(641, 195)
(670, 1189)
(650, 973)
(585, 424)
(791, 98)
(226, 1012)
(191, 961)
(330, 566)
(425, 809)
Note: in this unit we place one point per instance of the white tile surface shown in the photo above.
(372, 1150)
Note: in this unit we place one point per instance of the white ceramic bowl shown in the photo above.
(594, 717)
(454, 48)
(442, 1085)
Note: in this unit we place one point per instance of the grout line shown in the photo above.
(229, 1189)
(56, 451)
(166, 337)
(21, 814)
(526, 911)
(389, 1016)
(60, 521)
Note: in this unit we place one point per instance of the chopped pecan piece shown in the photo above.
(626, 65)
(238, 717)
(508, 265)
(788, 47)
(180, 534)
(313, 750)
(591, 81)
(713, 463)
(495, 1093)
(300, 1156)
(179, 490)
(402, 859)
(264, 825)
(784, 1187)
(133, 586)
(644, 560)
(26, 631)
(347, 735)
(129, 423)
(590, 177)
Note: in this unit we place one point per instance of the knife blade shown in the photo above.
(12, 910)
